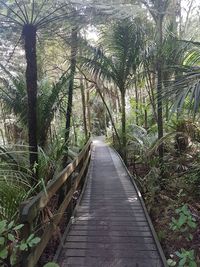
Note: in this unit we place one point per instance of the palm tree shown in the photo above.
(185, 91)
(118, 62)
(74, 47)
(158, 9)
(29, 18)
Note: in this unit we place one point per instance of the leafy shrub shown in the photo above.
(11, 245)
(185, 222)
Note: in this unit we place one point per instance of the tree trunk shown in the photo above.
(123, 122)
(29, 34)
(84, 108)
(159, 86)
(150, 90)
(88, 112)
(75, 134)
(136, 101)
(74, 44)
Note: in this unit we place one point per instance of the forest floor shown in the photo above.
(174, 209)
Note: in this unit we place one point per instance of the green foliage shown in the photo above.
(15, 177)
(10, 243)
(186, 258)
(185, 222)
(13, 95)
(51, 264)
(171, 262)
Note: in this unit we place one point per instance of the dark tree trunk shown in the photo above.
(84, 108)
(88, 111)
(29, 34)
(159, 87)
(74, 44)
(123, 122)
(137, 103)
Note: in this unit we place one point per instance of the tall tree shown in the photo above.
(29, 18)
(74, 47)
(158, 8)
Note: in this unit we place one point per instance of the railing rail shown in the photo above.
(71, 175)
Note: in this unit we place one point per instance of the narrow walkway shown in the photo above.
(110, 227)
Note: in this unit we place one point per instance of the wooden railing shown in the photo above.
(66, 183)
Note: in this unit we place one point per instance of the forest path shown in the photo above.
(111, 227)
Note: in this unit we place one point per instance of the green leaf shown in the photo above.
(51, 264)
(34, 241)
(10, 225)
(170, 262)
(18, 227)
(3, 226)
(182, 219)
(192, 224)
(3, 254)
(11, 237)
(23, 246)
(2, 240)
(182, 261)
(29, 238)
(185, 210)
(178, 254)
(191, 254)
(192, 264)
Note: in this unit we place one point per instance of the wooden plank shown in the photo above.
(123, 246)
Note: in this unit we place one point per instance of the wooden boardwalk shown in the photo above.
(110, 228)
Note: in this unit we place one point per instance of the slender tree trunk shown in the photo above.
(145, 119)
(118, 100)
(137, 102)
(29, 34)
(159, 86)
(88, 111)
(75, 134)
(150, 90)
(74, 44)
(123, 122)
(84, 108)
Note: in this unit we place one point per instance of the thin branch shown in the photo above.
(51, 13)
(25, 10)
(23, 14)
(12, 19)
(12, 11)
(32, 10)
(40, 10)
